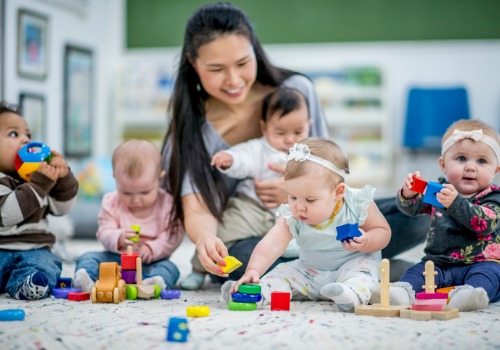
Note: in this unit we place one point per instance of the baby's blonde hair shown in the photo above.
(469, 125)
(323, 148)
(134, 154)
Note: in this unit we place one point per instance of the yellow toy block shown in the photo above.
(197, 311)
(231, 264)
(137, 229)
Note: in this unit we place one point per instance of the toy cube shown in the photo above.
(177, 329)
(137, 229)
(63, 282)
(129, 276)
(280, 301)
(418, 184)
(347, 232)
(231, 264)
(29, 157)
(170, 294)
(129, 261)
(430, 194)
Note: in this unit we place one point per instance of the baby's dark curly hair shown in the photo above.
(6, 107)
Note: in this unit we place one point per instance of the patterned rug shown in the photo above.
(142, 324)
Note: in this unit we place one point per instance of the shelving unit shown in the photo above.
(355, 104)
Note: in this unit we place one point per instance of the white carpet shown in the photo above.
(142, 324)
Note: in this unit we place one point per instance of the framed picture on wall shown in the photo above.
(78, 86)
(33, 110)
(32, 48)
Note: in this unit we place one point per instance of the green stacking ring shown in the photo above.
(249, 289)
(232, 305)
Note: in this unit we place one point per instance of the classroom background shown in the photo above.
(391, 75)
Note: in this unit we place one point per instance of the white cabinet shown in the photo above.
(355, 103)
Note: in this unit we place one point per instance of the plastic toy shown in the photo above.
(280, 301)
(109, 288)
(62, 293)
(430, 304)
(137, 230)
(197, 311)
(231, 264)
(12, 315)
(30, 156)
(170, 294)
(347, 232)
(428, 189)
(135, 288)
(246, 298)
(177, 329)
(78, 296)
(382, 309)
(249, 288)
(430, 194)
(63, 282)
(235, 306)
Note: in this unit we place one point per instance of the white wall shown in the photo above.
(99, 29)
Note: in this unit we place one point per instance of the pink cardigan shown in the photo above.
(155, 232)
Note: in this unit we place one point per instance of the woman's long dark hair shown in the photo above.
(184, 139)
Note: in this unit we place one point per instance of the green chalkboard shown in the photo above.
(160, 23)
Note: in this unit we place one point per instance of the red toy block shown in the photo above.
(78, 296)
(427, 307)
(280, 301)
(424, 295)
(129, 261)
(418, 185)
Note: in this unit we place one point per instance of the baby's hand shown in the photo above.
(59, 163)
(222, 160)
(49, 171)
(124, 239)
(250, 276)
(146, 254)
(406, 191)
(357, 243)
(447, 195)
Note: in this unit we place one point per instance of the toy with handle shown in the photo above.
(30, 156)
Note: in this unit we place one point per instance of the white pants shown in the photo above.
(360, 274)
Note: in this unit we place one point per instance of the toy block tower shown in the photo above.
(430, 304)
(132, 275)
(246, 298)
(382, 309)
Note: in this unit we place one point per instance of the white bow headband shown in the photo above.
(300, 152)
(476, 135)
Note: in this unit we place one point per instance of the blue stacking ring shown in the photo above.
(246, 298)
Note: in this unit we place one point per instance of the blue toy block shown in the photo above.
(12, 315)
(347, 232)
(246, 298)
(177, 329)
(63, 282)
(170, 294)
(430, 194)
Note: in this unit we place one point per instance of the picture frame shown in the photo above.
(32, 45)
(33, 110)
(78, 101)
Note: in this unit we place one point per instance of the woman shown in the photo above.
(223, 77)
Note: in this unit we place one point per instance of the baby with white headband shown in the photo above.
(319, 200)
(463, 239)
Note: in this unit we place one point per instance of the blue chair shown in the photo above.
(430, 111)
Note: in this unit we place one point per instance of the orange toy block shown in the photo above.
(231, 264)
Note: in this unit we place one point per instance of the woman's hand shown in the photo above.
(272, 192)
(211, 252)
(250, 276)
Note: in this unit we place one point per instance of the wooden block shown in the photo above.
(429, 307)
(379, 310)
(428, 315)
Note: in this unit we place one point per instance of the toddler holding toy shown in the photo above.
(318, 201)
(138, 200)
(285, 120)
(28, 268)
(463, 239)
